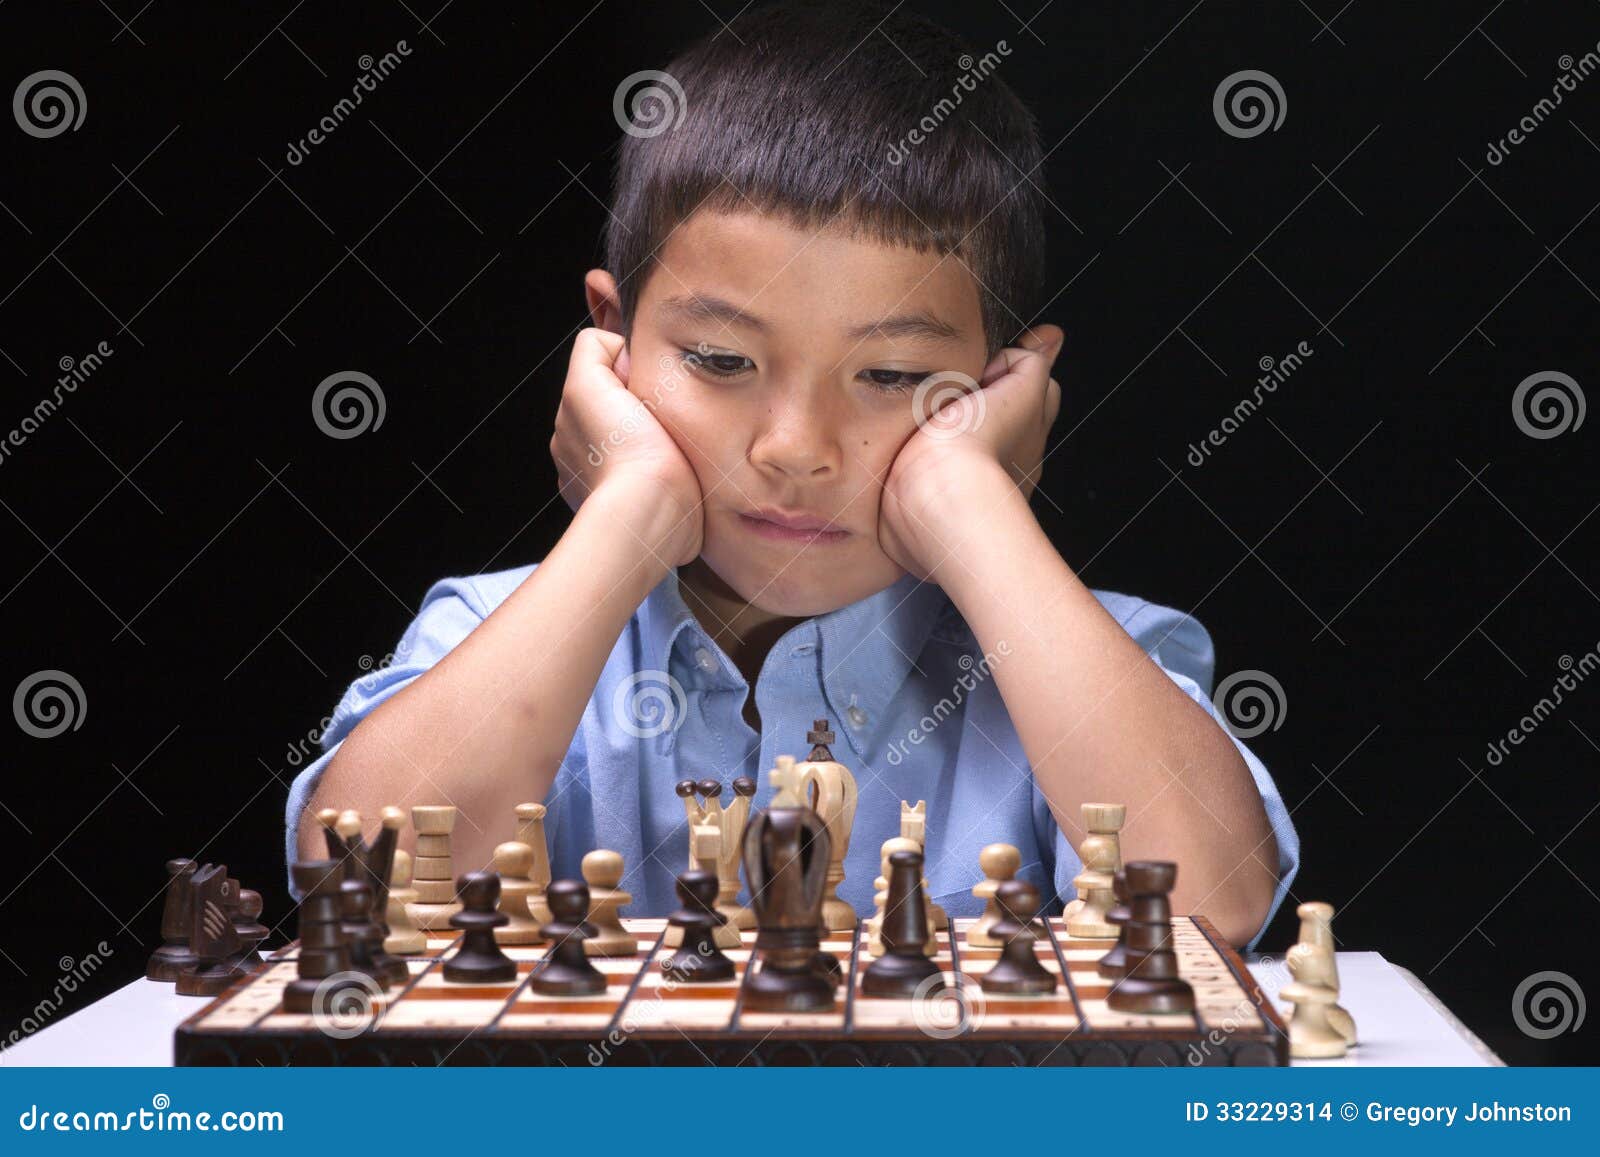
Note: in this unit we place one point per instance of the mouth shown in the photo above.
(779, 526)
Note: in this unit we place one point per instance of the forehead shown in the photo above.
(787, 276)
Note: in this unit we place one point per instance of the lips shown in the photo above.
(798, 520)
(792, 527)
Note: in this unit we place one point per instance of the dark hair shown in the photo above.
(880, 118)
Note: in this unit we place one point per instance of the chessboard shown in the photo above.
(644, 1018)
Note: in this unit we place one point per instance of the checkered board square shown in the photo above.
(644, 1017)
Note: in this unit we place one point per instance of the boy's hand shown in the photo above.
(970, 452)
(606, 436)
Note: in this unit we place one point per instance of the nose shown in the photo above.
(800, 436)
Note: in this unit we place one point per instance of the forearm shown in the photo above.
(1100, 722)
(487, 726)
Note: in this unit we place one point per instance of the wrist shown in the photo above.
(647, 516)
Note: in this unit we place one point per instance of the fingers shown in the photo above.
(596, 349)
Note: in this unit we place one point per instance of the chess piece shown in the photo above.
(1114, 964)
(904, 968)
(914, 826)
(222, 954)
(602, 871)
(1151, 984)
(370, 864)
(732, 821)
(514, 862)
(1101, 853)
(565, 969)
(1018, 970)
(830, 789)
(786, 865)
(433, 869)
(706, 849)
(479, 960)
(786, 779)
(177, 923)
(405, 938)
(530, 831)
(1314, 991)
(998, 863)
(247, 923)
(363, 934)
(699, 958)
(323, 964)
(880, 898)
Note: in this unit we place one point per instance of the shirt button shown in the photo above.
(856, 717)
(705, 660)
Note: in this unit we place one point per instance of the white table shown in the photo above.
(1399, 1020)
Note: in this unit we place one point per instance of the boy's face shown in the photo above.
(785, 365)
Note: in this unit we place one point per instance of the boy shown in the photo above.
(799, 449)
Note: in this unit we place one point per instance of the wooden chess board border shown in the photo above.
(1185, 1043)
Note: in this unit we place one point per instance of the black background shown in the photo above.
(1381, 538)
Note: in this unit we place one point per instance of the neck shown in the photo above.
(743, 630)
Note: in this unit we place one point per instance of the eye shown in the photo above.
(717, 365)
(894, 381)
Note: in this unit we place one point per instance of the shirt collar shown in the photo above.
(867, 648)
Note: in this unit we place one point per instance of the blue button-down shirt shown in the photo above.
(899, 675)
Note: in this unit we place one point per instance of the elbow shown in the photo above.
(1246, 896)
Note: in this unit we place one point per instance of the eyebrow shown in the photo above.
(915, 325)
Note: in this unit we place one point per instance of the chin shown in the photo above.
(804, 589)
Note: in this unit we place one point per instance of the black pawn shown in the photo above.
(565, 969)
(361, 932)
(1018, 970)
(479, 959)
(698, 959)
(904, 967)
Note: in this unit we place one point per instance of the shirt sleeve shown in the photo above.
(1182, 648)
(450, 610)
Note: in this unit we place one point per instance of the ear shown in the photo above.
(603, 300)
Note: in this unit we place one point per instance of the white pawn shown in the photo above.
(998, 863)
(405, 938)
(602, 871)
(514, 861)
